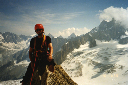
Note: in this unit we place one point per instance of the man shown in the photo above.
(38, 54)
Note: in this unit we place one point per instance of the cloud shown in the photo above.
(15, 24)
(119, 14)
(22, 18)
(68, 16)
(28, 18)
(54, 18)
(67, 32)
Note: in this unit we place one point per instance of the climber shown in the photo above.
(40, 54)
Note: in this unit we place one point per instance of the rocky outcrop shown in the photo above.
(59, 77)
(123, 40)
(92, 42)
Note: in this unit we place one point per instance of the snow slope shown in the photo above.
(11, 82)
(7, 49)
(22, 65)
(12, 46)
(105, 64)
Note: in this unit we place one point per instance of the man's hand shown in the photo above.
(50, 58)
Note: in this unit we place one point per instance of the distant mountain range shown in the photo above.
(69, 37)
(106, 31)
(15, 47)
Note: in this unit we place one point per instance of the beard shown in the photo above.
(40, 34)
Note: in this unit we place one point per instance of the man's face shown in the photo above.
(39, 31)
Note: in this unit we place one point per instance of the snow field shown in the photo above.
(105, 53)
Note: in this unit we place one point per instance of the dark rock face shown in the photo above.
(59, 77)
(108, 30)
(68, 47)
(92, 42)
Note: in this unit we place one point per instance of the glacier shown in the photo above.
(105, 64)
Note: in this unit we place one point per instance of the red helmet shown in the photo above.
(39, 26)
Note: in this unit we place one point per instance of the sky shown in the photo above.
(59, 17)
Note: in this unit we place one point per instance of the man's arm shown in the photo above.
(51, 50)
(30, 53)
(50, 59)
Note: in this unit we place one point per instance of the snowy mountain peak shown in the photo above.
(108, 30)
(60, 36)
(104, 25)
(72, 36)
(50, 35)
(13, 38)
